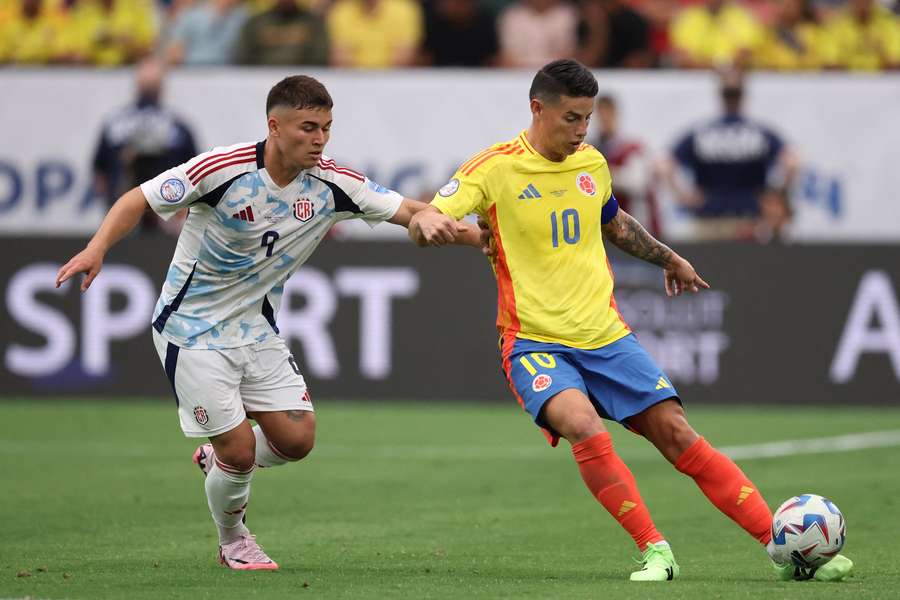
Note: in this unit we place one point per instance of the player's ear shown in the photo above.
(274, 126)
(537, 107)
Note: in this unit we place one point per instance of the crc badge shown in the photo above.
(541, 382)
(201, 415)
(304, 210)
(586, 184)
(172, 190)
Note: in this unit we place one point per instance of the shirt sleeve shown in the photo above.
(462, 195)
(377, 202)
(206, 177)
(170, 191)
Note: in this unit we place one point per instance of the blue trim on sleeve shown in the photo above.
(609, 210)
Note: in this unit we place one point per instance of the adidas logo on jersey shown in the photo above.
(529, 193)
(245, 214)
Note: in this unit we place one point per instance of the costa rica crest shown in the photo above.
(304, 210)
(201, 415)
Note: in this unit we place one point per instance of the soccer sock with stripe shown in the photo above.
(227, 492)
(727, 488)
(611, 482)
(267, 455)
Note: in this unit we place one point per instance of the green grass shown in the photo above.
(409, 501)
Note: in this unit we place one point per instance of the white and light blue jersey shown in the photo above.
(244, 236)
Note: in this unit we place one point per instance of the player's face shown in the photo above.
(565, 123)
(300, 134)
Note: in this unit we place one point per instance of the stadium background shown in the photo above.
(807, 324)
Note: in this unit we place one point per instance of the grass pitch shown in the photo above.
(101, 500)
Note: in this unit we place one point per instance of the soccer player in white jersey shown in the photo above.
(256, 213)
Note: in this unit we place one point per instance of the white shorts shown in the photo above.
(215, 389)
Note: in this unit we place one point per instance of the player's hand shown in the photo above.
(488, 248)
(88, 261)
(436, 229)
(680, 276)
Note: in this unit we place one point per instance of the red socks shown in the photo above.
(610, 481)
(727, 488)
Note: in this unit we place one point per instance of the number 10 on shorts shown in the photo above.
(542, 359)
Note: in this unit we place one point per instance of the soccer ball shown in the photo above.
(807, 531)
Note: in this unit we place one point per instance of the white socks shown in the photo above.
(228, 489)
(227, 492)
(266, 455)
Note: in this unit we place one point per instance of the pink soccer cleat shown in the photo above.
(245, 555)
(204, 457)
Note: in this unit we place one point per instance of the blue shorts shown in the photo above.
(620, 379)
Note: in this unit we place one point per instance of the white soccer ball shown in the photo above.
(807, 531)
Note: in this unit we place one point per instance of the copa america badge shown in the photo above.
(450, 188)
(172, 190)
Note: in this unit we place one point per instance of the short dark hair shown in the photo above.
(563, 77)
(298, 91)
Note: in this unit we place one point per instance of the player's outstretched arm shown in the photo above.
(430, 227)
(630, 236)
(124, 215)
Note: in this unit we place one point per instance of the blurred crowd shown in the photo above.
(859, 35)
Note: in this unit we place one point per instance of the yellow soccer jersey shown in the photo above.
(554, 282)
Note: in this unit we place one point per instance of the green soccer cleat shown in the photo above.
(837, 569)
(658, 564)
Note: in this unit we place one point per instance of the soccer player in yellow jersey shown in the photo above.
(568, 355)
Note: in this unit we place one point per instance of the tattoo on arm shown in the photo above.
(627, 234)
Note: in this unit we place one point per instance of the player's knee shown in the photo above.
(298, 448)
(581, 426)
(678, 436)
(241, 457)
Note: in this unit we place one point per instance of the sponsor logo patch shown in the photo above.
(450, 188)
(172, 190)
(586, 184)
(304, 210)
(201, 415)
(541, 382)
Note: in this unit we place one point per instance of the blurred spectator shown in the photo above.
(459, 33)
(795, 40)
(375, 34)
(535, 32)
(719, 33)
(775, 215)
(207, 33)
(630, 165)
(731, 160)
(866, 36)
(613, 35)
(112, 32)
(31, 32)
(286, 34)
(140, 141)
(659, 15)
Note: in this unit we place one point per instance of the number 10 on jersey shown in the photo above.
(568, 222)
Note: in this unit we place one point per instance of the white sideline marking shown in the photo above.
(839, 443)
(532, 451)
